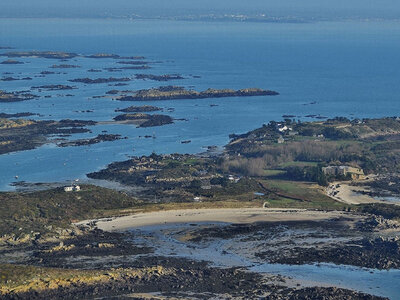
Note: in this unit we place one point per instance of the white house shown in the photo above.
(73, 188)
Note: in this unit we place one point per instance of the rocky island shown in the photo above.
(64, 66)
(159, 77)
(98, 139)
(15, 96)
(119, 69)
(137, 109)
(54, 87)
(144, 120)
(174, 93)
(11, 62)
(41, 54)
(132, 62)
(103, 55)
(99, 80)
(17, 115)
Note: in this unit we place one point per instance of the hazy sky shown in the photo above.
(299, 8)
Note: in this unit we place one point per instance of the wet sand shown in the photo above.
(236, 215)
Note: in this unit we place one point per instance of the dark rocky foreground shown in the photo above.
(174, 93)
(332, 241)
(377, 253)
(122, 278)
(193, 283)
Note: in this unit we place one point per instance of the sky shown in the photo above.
(150, 8)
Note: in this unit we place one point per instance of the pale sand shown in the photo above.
(235, 215)
(347, 194)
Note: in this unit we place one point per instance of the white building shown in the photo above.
(73, 188)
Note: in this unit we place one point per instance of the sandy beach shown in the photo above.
(346, 193)
(236, 215)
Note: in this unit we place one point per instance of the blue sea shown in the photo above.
(348, 68)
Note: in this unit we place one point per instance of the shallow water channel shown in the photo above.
(238, 251)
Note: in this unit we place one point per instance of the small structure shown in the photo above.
(72, 188)
(233, 178)
(281, 140)
(355, 173)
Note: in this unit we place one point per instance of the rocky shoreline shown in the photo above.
(19, 134)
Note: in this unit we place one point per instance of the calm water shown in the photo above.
(350, 69)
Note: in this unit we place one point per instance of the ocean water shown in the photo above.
(348, 68)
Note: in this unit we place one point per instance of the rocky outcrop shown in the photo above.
(11, 62)
(173, 93)
(17, 115)
(145, 120)
(138, 109)
(103, 55)
(54, 87)
(98, 139)
(159, 77)
(15, 96)
(99, 80)
(64, 66)
(41, 54)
